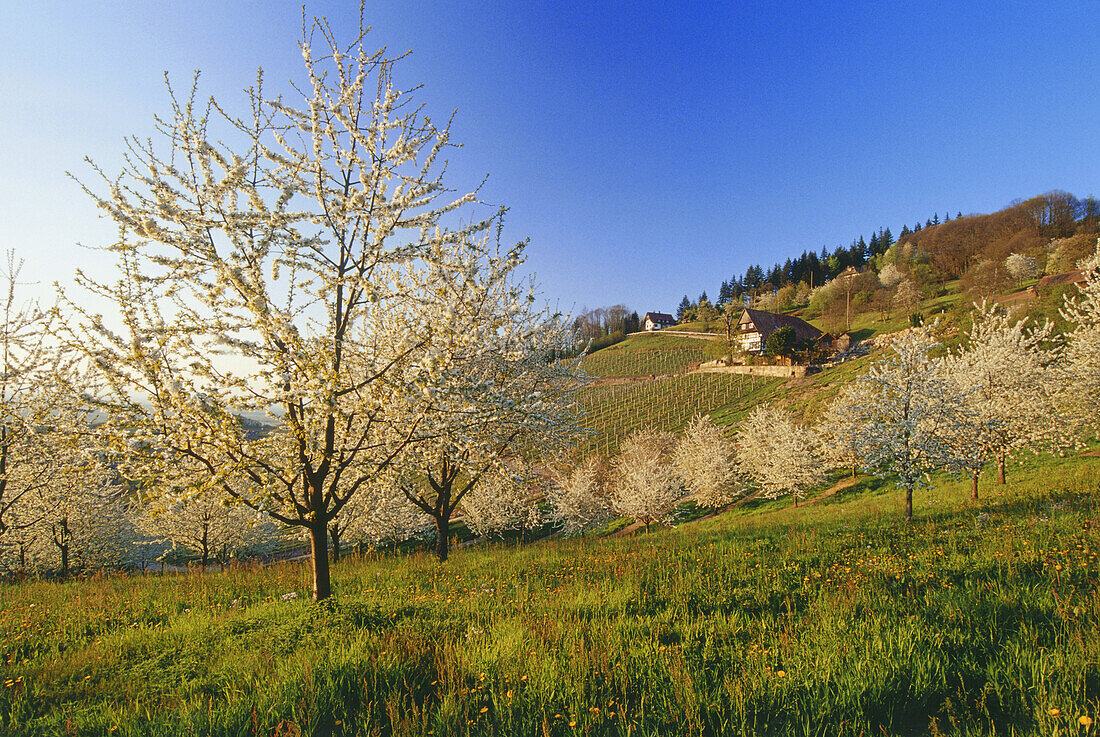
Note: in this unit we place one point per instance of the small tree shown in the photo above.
(380, 514)
(646, 487)
(38, 417)
(780, 342)
(838, 430)
(890, 276)
(908, 414)
(494, 392)
(1077, 381)
(907, 297)
(197, 518)
(704, 460)
(502, 501)
(776, 454)
(579, 497)
(1021, 267)
(1003, 371)
(731, 313)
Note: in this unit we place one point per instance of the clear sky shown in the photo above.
(647, 150)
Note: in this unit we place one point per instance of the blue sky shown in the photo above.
(646, 150)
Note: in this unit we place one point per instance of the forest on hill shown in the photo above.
(1046, 234)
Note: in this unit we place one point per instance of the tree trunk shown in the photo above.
(908, 504)
(205, 558)
(795, 495)
(1001, 467)
(442, 532)
(974, 485)
(61, 540)
(318, 543)
(334, 533)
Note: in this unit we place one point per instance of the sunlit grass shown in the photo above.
(835, 618)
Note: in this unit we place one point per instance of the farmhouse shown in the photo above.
(755, 326)
(658, 320)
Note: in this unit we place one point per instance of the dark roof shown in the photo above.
(767, 322)
(659, 317)
(1060, 280)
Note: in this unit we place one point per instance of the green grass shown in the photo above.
(831, 619)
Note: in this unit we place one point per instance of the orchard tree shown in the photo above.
(838, 430)
(1004, 371)
(890, 276)
(705, 462)
(494, 393)
(907, 297)
(646, 487)
(1021, 267)
(255, 256)
(37, 416)
(776, 454)
(502, 501)
(379, 514)
(84, 521)
(1078, 378)
(192, 515)
(579, 499)
(908, 414)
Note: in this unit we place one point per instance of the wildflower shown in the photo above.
(1085, 721)
(781, 673)
(1054, 712)
(290, 596)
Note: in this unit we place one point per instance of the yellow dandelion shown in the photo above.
(781, 673)
(1085, 721)
(1054, 712)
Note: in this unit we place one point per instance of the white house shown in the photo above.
(658, 320)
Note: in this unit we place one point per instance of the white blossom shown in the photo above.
(1003, 370)
(645, 486)
(258, 280)
(1021, 267)
(777, 454)
(1077, 382)
(579, 498)
(908, 414)
(705, 461)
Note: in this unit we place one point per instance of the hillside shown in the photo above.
(833, 619)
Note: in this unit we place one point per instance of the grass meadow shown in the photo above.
(833, 619)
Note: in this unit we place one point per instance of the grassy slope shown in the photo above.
(831, 619)
(617, 410)
(645, 354)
